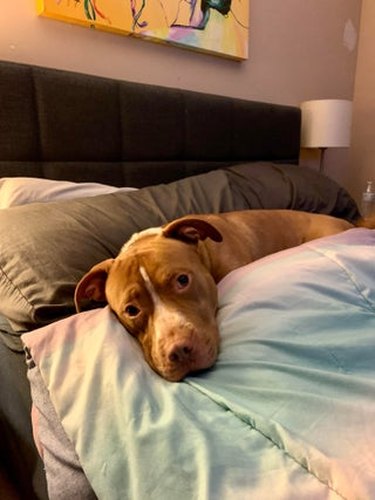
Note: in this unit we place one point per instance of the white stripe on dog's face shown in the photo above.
(165, 318)
(149, 286)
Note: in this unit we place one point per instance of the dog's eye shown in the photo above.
(182, 280)
(132, 311)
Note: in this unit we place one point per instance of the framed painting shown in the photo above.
(220, 27)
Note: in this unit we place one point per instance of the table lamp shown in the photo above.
(326, 123)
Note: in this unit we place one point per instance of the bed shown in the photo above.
(288, 409)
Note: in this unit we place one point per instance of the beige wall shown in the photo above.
(362, 154)
(299, 49)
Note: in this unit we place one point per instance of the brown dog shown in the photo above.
(162, 285)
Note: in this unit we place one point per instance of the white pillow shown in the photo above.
(23, 190)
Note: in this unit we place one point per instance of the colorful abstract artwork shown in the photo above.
(219, 27)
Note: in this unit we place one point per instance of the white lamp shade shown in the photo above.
(326, 123)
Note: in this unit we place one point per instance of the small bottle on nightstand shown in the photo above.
(368, 201)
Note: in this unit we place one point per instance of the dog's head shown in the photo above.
(161, 289)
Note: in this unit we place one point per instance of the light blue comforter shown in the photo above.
(288, 411)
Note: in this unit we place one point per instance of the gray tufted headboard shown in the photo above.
(65, 125)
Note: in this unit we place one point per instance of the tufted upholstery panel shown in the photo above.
(66, 125)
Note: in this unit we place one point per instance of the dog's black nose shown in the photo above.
(180, 352)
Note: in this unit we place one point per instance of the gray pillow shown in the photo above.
(46, 248)
(269, 185)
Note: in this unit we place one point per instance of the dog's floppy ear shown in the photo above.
(91, 288)
(191, 230)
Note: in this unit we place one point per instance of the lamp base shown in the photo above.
(321, 163)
